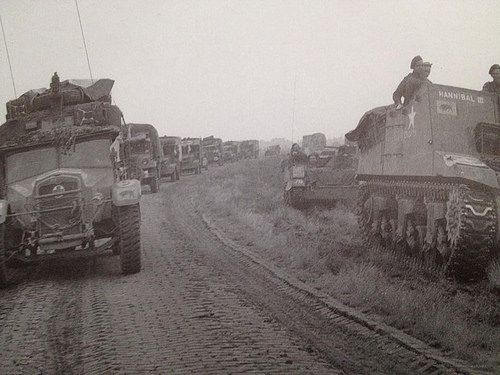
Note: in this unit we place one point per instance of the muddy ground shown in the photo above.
(197, 306)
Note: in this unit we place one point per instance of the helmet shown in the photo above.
(493, 67)
(415, 60)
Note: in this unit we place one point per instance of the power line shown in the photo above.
(84, 42)
(8, 58)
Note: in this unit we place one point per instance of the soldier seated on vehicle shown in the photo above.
(297, 155)
(412, 82)
(493, 86)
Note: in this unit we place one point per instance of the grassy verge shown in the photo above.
(324, 248)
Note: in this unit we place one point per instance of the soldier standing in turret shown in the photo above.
(412, 82)
(493, 86)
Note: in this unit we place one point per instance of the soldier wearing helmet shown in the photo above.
(493, 86)
(297, 155)
(412, 82)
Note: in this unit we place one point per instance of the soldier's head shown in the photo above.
(415, 60)
(422, 69)
(495, 73)
(295, 148)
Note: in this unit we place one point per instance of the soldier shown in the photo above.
(297, 155)
(412, 82)
(493, 86)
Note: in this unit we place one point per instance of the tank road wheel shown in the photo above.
(154, 185)
(129, 230)
(3, 266)
(470, 227)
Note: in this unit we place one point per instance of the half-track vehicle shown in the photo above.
(212, 147)
(249, 149)
(231, 151)
(193, 159)
(172, 154)
(145, 155)
(274, 150)
(430, 175)
(313, 143)
(64, 188)
(319, 178)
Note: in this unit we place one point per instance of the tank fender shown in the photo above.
(466, 167)
(3, 210)
(126, 192)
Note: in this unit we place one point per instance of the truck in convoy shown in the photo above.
(249, 149)
(430, 177)
(64, 185)
(172, 154)
(325, 177)
(145, 154)
(230, 151)
(273, 150)
(212, 148)
(193, 159)
(313, 143)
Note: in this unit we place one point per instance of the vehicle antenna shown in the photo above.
(84, 42)
(8, 58)
(294, 97)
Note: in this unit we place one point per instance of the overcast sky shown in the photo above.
(195, 68)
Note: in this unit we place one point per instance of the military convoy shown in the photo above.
(230, 151)
(172, 153)
(193, 159)
(249, 149)
(274, 150)
(313, 143)
(145, 155)
(65, 190)
(213, 150)
(430, 175)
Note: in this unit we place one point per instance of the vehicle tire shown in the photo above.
(129, 231)
(154, 185)
(3, 266)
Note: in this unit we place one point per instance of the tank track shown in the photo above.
(471, 222)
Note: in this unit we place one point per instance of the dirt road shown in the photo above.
(198, 306)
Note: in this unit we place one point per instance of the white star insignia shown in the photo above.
(411, 117)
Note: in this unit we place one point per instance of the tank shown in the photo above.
(429, 178)
(65, 190)
(145, 154)
(322, 178)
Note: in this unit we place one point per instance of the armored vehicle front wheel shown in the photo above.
(3, 266)
(129, 230)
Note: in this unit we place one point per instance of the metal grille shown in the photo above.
(60, 206)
